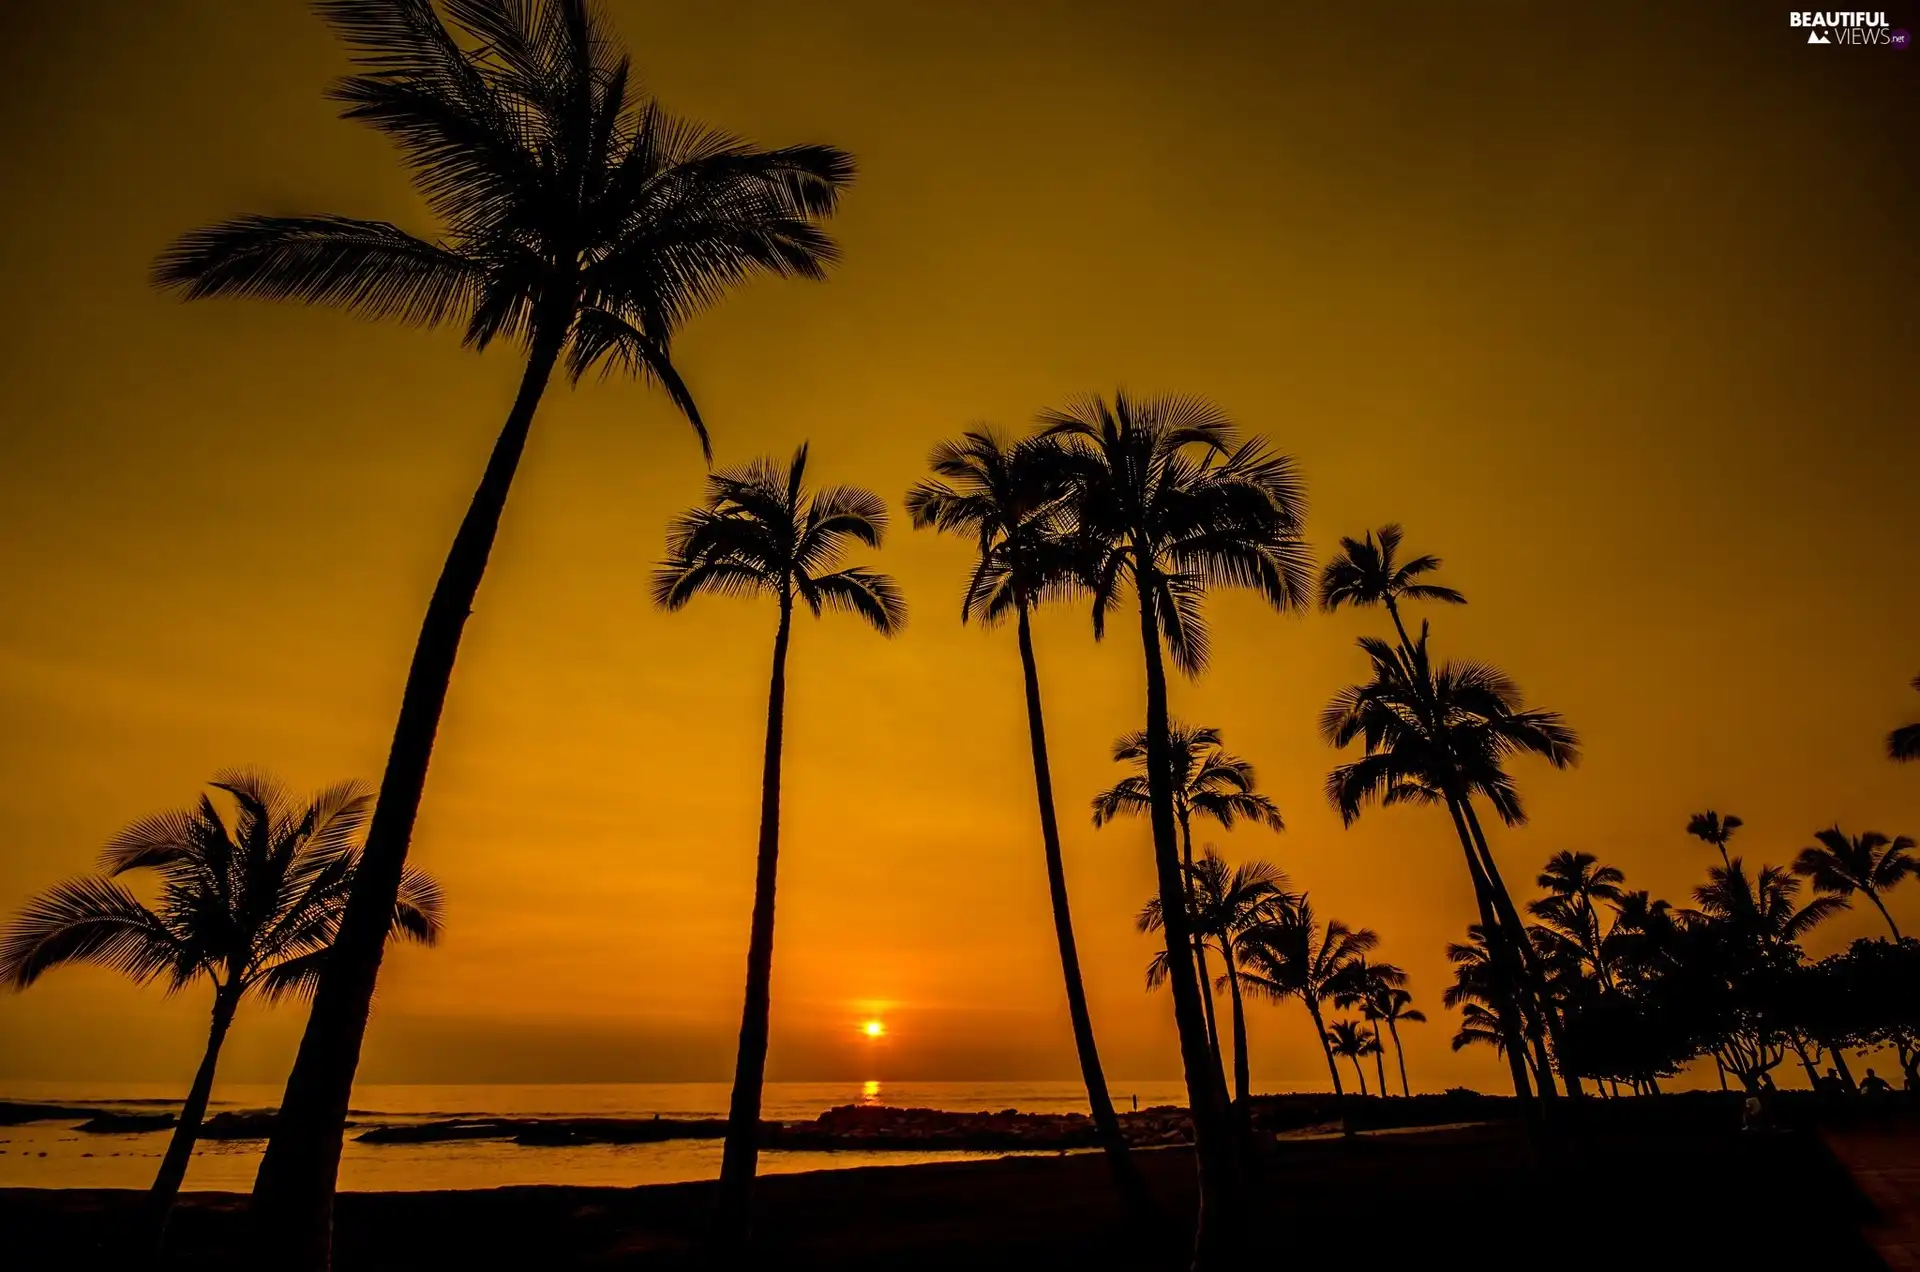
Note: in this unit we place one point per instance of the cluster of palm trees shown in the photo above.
(583, 223)
(1640, 987)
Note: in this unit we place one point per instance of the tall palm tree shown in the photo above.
(1207, 781)
(1710, 827)
(1368, 572)
(1166, 500)
(1870, 864)
(1006, 498)
(1904, 742)
(1441, 736)
(762, 531)
(251, 900)
(1575, 882)
(1295, 957)
(1230, 906)
(1367, 989)
(1393, 1006)
(577, 219)
(1352, 1039)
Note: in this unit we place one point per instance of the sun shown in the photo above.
(874, 1029)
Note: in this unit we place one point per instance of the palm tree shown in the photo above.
(1870, 864)
(1575, 882)
(1904, 742)
(1475, 994)
(1441, 736)
(761, 530)
(1006, 498)
(1394, 1006)
(1231, 905)
(1764, 909)
(579, 220)
(1368, 572)
(1712, 828)
(1208, 781)
(1367, 989)
(1164, 500)
(1351, 1039)
(1295, 957)
(251, 901)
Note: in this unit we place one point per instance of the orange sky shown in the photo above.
(1614, 310)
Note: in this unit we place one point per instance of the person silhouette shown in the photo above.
(1874, 1085)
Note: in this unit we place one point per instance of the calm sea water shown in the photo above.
(54, 1155)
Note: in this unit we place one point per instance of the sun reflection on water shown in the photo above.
(870, 1093)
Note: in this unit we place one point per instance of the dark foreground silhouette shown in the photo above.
(1420, 1199)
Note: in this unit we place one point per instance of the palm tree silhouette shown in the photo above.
(1575, 881)
(1351, 1039)
(1475, 994)
(1165, 501)
(1367, 989)
(1230, 906)
(1712, 828)
(1870, 864)
(1763, 909)
(581, 221)
(1904, 742)
(251, 901)
(1007, 499)
(1207, 781)
(1441, 736)
(1294, 957)
(1368, 572)
(761, 530)
(1393, 1006)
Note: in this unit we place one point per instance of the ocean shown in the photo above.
(52, 1154)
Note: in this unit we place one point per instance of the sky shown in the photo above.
(1612, 306)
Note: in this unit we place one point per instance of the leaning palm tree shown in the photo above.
(1207, 781)
(1006, 498)
(579, 220)
(1442, 736)
(251, 900)
(1351, 1039)
(1904, 742)
(1231, 905)
(762, 531)
(1368, 988)
(1870, 864)
(1166, 500)
(1394, 1006)
(1294, 957)
(1369, 572)
(1710, 827)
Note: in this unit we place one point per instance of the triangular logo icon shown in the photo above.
(1814, 37)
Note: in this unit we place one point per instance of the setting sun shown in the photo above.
(873, 1029)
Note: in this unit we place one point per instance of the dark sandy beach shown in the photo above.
(1697, 1198)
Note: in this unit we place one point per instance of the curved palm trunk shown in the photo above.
(741, 1155)
(1219, 1226)
(1359, 1073)
(1400, 1056)
(1200, 954)
(1515, 1049)
(173, 1167)
(1379, 1062)
(1873, 895)
(1326, 1048)
(1539, 1008)
(1126, 1174)
(293, 1193)
(1242, 1069)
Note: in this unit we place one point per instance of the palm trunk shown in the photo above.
(1839, 1058)
(1126, 1174)
(1874, 896)
(293, 1192)
(1400, 1056)
(173, 1167)
(1242, 1068)
(1379, 1062)
(1533, 984)
(1359, 1073)
(1200, 956)
(741, 1154)
(1218, 1229)
(1326, 1048)
(1504, 989)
